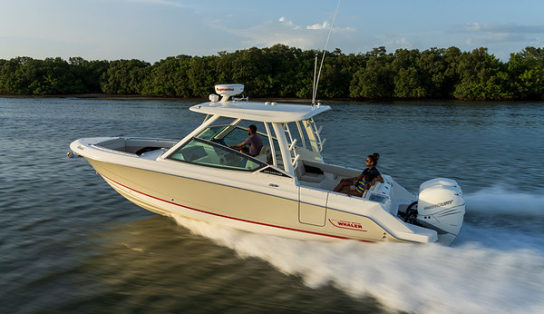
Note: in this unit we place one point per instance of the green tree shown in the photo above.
(89, 72)
(337, 71)
(56, 76)
(527, 70)
(482, 76)
(438, 75)
(17, 75)
(376, 78)
(408, 82)
(223, 67)
(201, 75)
(288, 72)
(11, 79)
(253, 68)
(169, 78)
(125, 77)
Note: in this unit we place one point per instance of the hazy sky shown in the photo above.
(151, 30)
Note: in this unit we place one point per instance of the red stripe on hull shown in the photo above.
(234, 218)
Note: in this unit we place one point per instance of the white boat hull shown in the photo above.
(252, 210)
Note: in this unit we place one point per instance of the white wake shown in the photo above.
(476, 275)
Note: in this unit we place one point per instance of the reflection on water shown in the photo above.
(69, 243)
(160, 266)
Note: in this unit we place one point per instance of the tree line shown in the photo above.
(282, 71)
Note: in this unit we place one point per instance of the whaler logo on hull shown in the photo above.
(347, 225)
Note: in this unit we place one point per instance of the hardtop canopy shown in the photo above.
(260, 111)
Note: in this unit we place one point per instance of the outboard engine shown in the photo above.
(441, 207)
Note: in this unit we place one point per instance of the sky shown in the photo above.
(151, 30)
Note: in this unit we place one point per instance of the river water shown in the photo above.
(70, 244)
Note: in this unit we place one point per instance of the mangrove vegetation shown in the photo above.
(282, 71)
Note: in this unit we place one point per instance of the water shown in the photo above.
(70, 244)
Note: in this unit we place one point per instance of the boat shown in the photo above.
(285, 190)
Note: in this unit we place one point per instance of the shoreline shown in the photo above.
(261, 99)
(143, 97)
(93, 96)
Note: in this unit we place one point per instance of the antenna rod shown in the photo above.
(314, 87)
(316, 82)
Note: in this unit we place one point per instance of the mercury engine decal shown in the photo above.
(347, 225)
(439, 205)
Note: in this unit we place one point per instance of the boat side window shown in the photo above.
(224, 134)
(205, 153)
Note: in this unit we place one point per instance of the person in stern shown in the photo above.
(356, 186)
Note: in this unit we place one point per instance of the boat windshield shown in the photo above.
(206, 153)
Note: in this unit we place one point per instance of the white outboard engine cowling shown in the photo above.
(441, 207)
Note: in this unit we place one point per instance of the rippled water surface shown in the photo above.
(70, 244)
